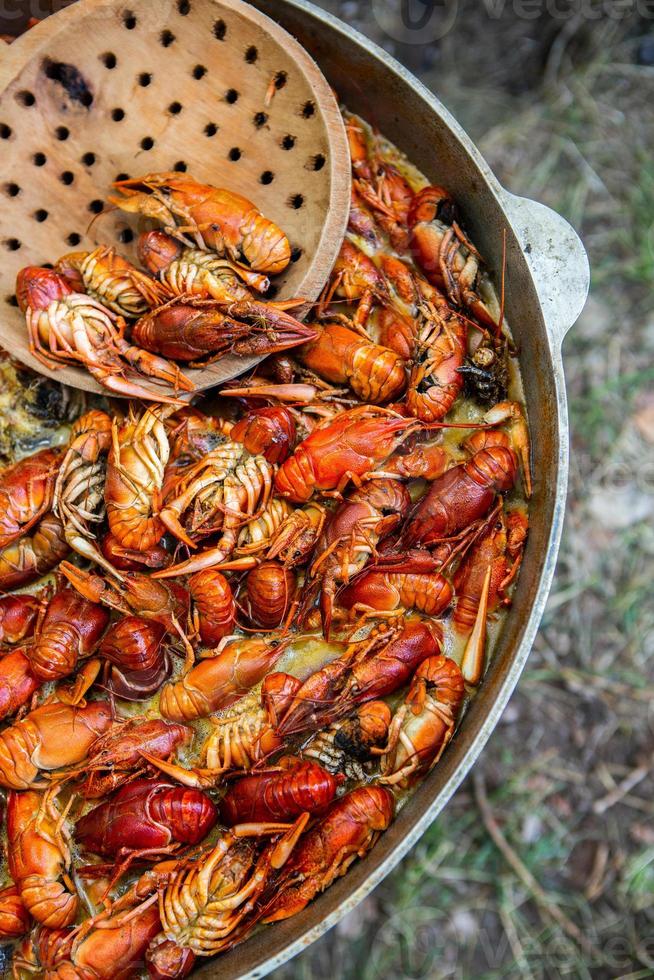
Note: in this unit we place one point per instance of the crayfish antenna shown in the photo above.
(472, 663)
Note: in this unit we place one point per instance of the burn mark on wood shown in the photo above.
(71, 80)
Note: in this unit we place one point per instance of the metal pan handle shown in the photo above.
(557, 260)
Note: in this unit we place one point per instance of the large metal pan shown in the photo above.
(546, 288)
(547, 284)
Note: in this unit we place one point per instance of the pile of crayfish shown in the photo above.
(199, 298)
(235, 635)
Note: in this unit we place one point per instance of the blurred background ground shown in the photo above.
(562, 106)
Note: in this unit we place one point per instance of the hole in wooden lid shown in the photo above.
(199, 71)
(67, 177)
(41, 215)
(308, 109)
(296, 254)
(184, 7)
(11, 300)
(126, 235)
(73, 239)
(120, 177)
(280, 79)
(260, 119)
(88, 159)
(251, 54)
(39, 159)
(129, 20)
(117, 114)
(210, 129)
(147, 143)
(25, 98)
(13, 190)
(231, 96)
(317, 162)
(96, 206)
(180, 166)
(109, 59)
(220, 29)
(144, 79)
(288, 142)
(267, 177)
(12, 244)
(296, 201)
(62, 133)
(235, 153)
(166, 38)
(175, 108)
(5, 131)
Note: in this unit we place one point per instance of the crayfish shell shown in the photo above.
(270, 591)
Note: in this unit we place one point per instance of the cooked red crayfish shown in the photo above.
(112, 280)
(347, 831)
(217, 219)
(135, 473)
(79, 490)
(412, 581)
(146, 817)
(350, 539)
(39, 858)
(49, 738)
(442, 250)
(18, 615)
(280, 793)
(219, 681)
(243, 736)
(217, 493)
(70, 631)
(29, 557)
(115, 757)
(200, 331)
(349, 448)
(439, 344)
(369, 669)
(17, 682)
(135, 592)
(66, 327)
(356, 279)
(269, 594)
(14, 918)
(424, 724)
(140, 661)
(296, 537)
(130, 559)
(481, 582)
(376, 374)
(214, 608)
(462, 495)
(114, 948)
(206, 904)
(268, 432)
(26, 493)
(380, 184)
(197, 272)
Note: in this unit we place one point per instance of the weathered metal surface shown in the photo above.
(547, 284)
